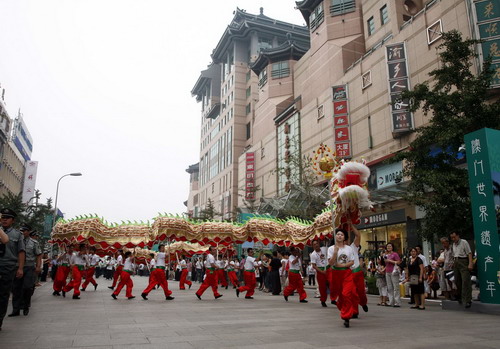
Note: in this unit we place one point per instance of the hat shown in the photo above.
(8, 213)
(25, 227)
(34, 233)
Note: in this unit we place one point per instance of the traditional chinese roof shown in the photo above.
(212, 72)
(193, 168)
(243, 23)
(289, 50)
(306, 7)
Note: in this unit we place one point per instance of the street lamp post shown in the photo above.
(55, 203)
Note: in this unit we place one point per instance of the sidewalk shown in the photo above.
(98, 321)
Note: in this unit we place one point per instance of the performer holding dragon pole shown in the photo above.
(341, 258)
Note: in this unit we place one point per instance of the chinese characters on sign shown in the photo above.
(488, 28)
(342, 132)
(397, 70)
(250, 176)
(484, 170)
(29, 181)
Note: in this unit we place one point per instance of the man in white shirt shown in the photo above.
(248, 276)
(421, 256)
(158, 276)
(319, 262)
(126, 277)
(199, 270)
(184, 273)
(231, 272)
(211, 276)
(93, 260)
(221, 272)
(62, 271)
(295, 277)
(118, 269)
(78, 263)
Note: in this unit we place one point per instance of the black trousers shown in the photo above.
(7, 275)
(312, 280)
(275, 282)
(22, 289)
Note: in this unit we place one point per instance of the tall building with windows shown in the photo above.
(341, 87)
(228, 93)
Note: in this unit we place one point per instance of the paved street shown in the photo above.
(98, 321)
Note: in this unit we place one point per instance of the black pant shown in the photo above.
(312, 279)
(22, 289)
(45, 272)
(275, 282)
(53, 272)
(7, 275)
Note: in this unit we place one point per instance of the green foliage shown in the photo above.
(458, 102)
(32, 213)
(209, 213)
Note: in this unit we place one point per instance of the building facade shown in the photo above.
(228, 92)
(342, 89)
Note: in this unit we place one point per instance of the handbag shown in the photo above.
(413, 279)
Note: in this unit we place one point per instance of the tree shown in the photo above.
(209, 212)
(458, 103)
(32, 213)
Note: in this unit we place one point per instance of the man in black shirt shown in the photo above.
(275, 274)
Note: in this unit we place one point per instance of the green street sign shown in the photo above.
(487, 10)
(491, 48)
(483, 162)
(489, 30)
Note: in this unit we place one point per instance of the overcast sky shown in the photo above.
(104, 86)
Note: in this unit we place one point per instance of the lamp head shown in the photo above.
(75, 174)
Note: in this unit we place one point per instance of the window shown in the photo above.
(265, 43)
(248, 75)
(249, 131)
(249, 91)
(263, 77)
(316, 17)
(339, 7)
(371, 25)
(384, 15)
(248, 108)
(280, 70)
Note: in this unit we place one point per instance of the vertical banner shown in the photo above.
(488, 30)
(483, 162)
(398, 76)
(341, 122)
(29, 180)
(250, 176)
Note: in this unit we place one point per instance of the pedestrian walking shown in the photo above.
(275, 273)
(415, 275)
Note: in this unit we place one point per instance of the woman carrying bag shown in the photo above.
(415, 275)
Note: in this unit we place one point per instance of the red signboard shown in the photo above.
(340, 108)
(250, 176)
(343, 149)
(341, 125)
(341, 134)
